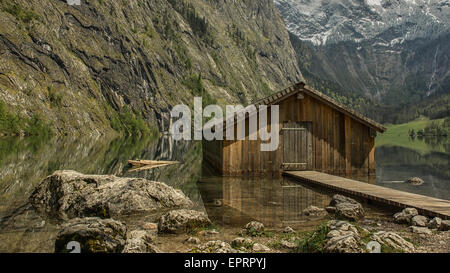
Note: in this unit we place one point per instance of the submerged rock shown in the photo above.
(93, 234)
(314, 211)
(415, 181)
(405, 216)
(69, 194)
(393, 240)
(180, 221)
(139, 241)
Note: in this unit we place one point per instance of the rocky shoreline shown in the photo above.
(91, 209)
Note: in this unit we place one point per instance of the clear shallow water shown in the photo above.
(396, 164)
(227, 201)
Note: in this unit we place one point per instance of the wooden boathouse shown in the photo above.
(316, 134)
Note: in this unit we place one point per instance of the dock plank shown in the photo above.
(428, 206)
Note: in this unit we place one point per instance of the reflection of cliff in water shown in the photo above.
(24, 163)
(397, 164)
(274, 202)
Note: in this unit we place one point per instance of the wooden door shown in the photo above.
(297, 146)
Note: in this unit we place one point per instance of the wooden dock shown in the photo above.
(428, 206)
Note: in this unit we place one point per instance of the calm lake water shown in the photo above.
(428, 159)
(227, 201)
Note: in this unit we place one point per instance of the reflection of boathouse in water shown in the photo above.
(275, 202)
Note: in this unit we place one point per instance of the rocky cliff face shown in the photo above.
(393, 51)
(83, 68)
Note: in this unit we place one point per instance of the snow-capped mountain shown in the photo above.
(393, 51)
(330, 21)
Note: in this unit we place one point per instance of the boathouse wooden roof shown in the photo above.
(302, 87)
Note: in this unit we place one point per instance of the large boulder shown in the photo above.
(93, 235)
(342, 238)
(182, 221)
(405, 216)
(69, 194)
(139, 241)
(393, 240)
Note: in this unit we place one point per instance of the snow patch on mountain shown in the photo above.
(326, 22)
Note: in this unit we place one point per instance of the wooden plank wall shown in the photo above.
(341, 145)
